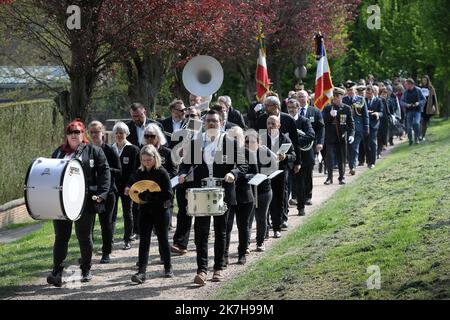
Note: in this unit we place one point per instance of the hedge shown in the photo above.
(30, 129)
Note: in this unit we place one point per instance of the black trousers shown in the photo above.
(372, 146)
(106, 223)
(338, 150)
(83, 230)
(135, 212)
(309, 181)
(127, 216)
(301, 180)
(260, 214)
(201, 232)
(285, 215)
(159, 220)
(278, 184)
(184, 222)
(242, 212)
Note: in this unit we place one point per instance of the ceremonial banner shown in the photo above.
(323, 91)
(262, 77)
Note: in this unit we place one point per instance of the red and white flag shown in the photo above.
(262, 77)
(323, 91)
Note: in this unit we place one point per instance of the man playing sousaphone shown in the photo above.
(213, 155)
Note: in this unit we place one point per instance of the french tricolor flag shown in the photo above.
(262, 76)
(323, 91)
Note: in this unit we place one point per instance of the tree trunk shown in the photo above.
(146, 76)
(248, 71)
(76, 103)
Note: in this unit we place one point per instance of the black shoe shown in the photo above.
(284, 226)
(301, 212)
(360, 164)
(55, 278)
(138, 277)
(86, 276)
(126, 246)
(342, 181)
(242, 260)
(308, 202)
(168, 273)
(328, 182)
(105, 259)
(352, 172)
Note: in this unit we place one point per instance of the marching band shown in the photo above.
(212, 163)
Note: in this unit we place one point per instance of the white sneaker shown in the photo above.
(261, 248)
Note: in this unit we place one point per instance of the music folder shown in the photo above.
(174, 181)
(275, 173)
(284, 148)
(257, 179)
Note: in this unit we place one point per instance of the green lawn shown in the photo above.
(395, 217)
(25, 260)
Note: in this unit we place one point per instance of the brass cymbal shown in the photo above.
(142, 186)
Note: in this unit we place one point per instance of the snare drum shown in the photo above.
(205, 202)
(55, 189)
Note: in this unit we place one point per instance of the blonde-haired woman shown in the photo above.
(155, 212)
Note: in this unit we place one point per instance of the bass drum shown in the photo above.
(55, 189)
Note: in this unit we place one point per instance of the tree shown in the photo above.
(86, 52)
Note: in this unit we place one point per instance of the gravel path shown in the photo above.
(112, 281)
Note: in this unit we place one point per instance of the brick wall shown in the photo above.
(14, 212)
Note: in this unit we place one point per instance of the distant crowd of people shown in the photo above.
(280, 139)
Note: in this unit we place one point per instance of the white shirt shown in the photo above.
(176, 125)
(140, 131)
(119, 152)
(300, 110)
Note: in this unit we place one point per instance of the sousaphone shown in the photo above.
(203, 76)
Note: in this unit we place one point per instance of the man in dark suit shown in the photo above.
(208, 156)
(339, 128)
(287, 123)
(273, 140)
(315, 118)
(375, 109)
(305, 173)
(222, 110)
(175, 122)
(361, 118)
(232, 114)
(138, 123)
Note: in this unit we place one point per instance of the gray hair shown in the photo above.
(157, 130)
(96, 123)
(121, 126)
(272, 100)
(225, 99)
(294, 102)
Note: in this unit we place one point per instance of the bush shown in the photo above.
(30, 129)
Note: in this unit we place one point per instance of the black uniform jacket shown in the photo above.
(337, 128)
(225, 162)
(287, 127)
(290, 155)
(315, 117)
(303, 124)
(128, 163)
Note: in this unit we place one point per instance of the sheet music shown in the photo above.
(274, 174)
(174, 181)
(257, 179)
(284, 148)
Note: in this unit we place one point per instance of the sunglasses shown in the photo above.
(149, 136)
(180, 110)
(77, 132)
(193, 115)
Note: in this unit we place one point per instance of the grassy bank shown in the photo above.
(395, 217)
(25, 260)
